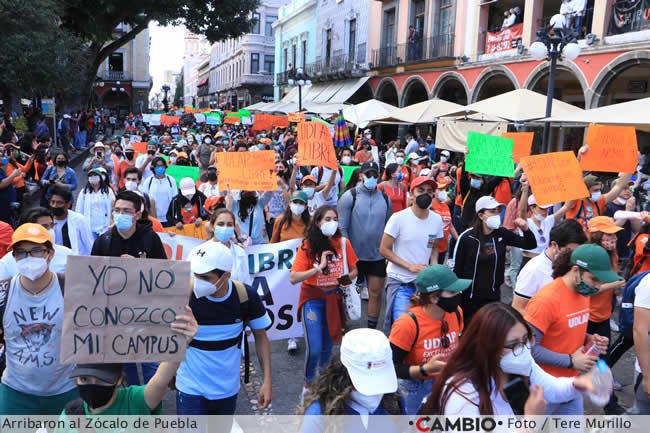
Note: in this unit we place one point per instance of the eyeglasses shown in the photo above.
(35, 252)
(444, 340)
(518, 346)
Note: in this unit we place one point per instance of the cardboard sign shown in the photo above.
(180, 171)
(522, 143)
(315, 145)
(280, 122)
(247, 171)
(169, 120)
(554, 177)
(199, 117)
(120, 310)
(262, 122)
(296, 117)
(611, 148)
(488, 154)
(139, 147)
(213, 119)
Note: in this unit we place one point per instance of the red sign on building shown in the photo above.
(506, 39)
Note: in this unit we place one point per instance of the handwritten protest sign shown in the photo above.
(213, 119)
(522, 143)
(554, 177)
(247, 171)
(169, 120)
(488, 154)
(180, 171)
(347, 172)
(120, 309)
(262, 122)
(139, 147)
(315, 145)
(199, 117)
(611, 148)
(231, 120)
(296, 117)
(280, 121)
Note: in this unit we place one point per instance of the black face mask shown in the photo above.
(61, 163)
(212, 176)
(151, 152)
(96, 395)
(129, 155)
(423, 201)
(449, 305)
(57, 211)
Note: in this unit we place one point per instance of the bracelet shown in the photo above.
(422, 371)
(570, 361)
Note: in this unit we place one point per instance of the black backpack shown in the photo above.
(353, 191)
(417, 326)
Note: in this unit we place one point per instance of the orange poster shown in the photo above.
(247, 171)
(232, 120)
(190, 230)
(315, 145)
(523, 142)
(611, 148)
(140, 147)
(554, 177)
(296, 117)
(262, 122)
(280, 122)
(169, 120)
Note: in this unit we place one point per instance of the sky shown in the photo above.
(166, 52)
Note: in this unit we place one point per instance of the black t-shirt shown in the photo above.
(143, 241)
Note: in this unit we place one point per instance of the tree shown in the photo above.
(95, 22)
(180, 90)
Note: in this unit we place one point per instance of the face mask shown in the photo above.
(443, 159)
(423, 201)
(521, 364)
(297, 208)
(4, 160)
(96, 395)
(399, 160)
(370, 402)
(123, 222)
(188, 195)
(370, 182)
(449, 305)
(621, 201)
(32, 267)
(422, 149)
(223, 233)
(329, 228)
(309, 191)
(160, 170)
(539, 217)
(131, 185)
(60, 163)
(203, 288)
(118, 153)
(129, 155)
(172, 159)
(345, 160)
(212, 176)
(260, 146)
(58, 211)
(399, 177)
(493, 222)
(585, 289)
(475, 183)
(442, 195)
(151, 152)
(93, 180)
(609, 244)
(595, 196)
(206, 141)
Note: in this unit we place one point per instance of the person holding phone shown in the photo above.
(98, 158)
(319, 265)
(58, 175)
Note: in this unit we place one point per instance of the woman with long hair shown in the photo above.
(494, 350)
(59, 174)
(319, 264)
(95, 202)
(393, 187)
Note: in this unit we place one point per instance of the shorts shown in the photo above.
(376, 268)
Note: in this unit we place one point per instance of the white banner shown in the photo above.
(199, 117)
(151, 119)
(269, 265)
(246, 120)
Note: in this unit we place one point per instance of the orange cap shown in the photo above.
(309, 177)
(30, 232)
(213, 200)
(603, 224)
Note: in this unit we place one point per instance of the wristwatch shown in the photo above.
(570, 361)
(422, 371)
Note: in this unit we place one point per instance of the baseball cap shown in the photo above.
(369, 166)
(182, 155)
(594, 259)
(603, 224)
(173, 151)
(309, 177)
(108, 373)
(187, 186)
(367, 356)
(439, 277)
(300, 195)
(425, 172)
(531, 201)
(95, 170)
(420, 180)
(590, 180)
(446, 153)
(30, 232)
(98, 144)
(209, 256)
(487, 202)
(412, 155)
(213, 200)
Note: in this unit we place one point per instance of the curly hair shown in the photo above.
(318, 242)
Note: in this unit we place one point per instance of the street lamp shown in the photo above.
(299, 78)
(553, 47)
(165, 88)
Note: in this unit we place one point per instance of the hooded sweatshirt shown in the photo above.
(142, 241)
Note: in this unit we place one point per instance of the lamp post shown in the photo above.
(299, 78)
(165, 88)
(553, 47)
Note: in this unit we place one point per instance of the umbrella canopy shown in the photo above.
(422, 112)
(341, 133)
(517, 106)
(632, 113)
(366, 112)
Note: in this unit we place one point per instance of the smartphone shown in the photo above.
(344, 280)
(99, 154)
(516, 392)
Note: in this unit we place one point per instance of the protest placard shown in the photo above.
(262, 122)
(522, 143)
(246, 120)
(488, 154)
(190, 230)
(347, 172)
(247, 171)
(120, 310)
(554, 177)
(315, 145)
(139, 147)
(611, 148)
(199, 117)
(296, 117)
(280, 122)
(231, 120)
(180, 171)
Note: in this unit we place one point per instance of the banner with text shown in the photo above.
(506, 39)
(247, 171)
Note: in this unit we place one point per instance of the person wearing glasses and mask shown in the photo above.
(424, 338)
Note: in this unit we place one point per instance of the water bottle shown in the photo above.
(602, 379)
(593, 350)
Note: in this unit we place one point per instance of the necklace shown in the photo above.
(40, 291)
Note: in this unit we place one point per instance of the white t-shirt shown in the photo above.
(58, 230)
(8, 264)
(542, 233)
(139, 163)
(536, 274)
(315, 202)
(642, 300)
(334, 192)
(163, 191)
(209, 190)
(414, 239)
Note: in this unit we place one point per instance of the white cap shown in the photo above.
(446, 153)
(413, 155)
(98, 144)
(487, 202)
(367, 356)
(424, 172)
(187, 186)
(531, 201)
(209, 256)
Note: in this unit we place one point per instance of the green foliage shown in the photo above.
(20, 124)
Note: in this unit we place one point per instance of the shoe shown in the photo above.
(292, 346)
(614, 410)
(613, 325)
(363, 292)
(617, 385)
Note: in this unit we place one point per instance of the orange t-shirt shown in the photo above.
(639, 245)
(459, 197)
(362, 157)
(156, 225)
(443, 170)
(443, 210)
(304, 262)
(403, 333)
(408, 176)
(589, 210)
(397, 195)
(562, 316)
(295, 231)
(600, 307)
(503, 192)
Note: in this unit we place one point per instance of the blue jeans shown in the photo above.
(318, 342)
(131, 371)
(516, 256)
(416, 391)
(571, 407)
(82, 138)
(76, 143)
(402, 301)
(187, 404)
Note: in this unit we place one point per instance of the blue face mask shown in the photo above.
(475, 183)
(370, 182)
(4, 160)
(123, 222)
(260, 146)
(309, 191)
(223, 234)
(159, 170)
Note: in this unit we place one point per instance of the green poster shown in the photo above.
(488, 154)
(347, 171)
(244, 113)
(178, 172)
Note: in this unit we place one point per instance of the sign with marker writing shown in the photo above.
(120, 310)
(554, 177)
(487, 154)
(315, 145)
(247, 171)
(522, 143)
(611, 148)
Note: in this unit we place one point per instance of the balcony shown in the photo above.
(114, 75)
(437, 47)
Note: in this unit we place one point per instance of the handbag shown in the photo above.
(351, 296)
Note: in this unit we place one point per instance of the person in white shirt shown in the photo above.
(144, 161)
(578, 9)
(411, 146)
(95, 202)
(71, 229)
(322, 175)
(641, 332)
(161, 187)
(211, 187)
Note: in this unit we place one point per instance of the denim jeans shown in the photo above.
(83, 137)
(516, 256)
(187, 404)
(132, 376)
(318, 342)
(573, 407)
(402, 301)
(416, 391)
(76, 143)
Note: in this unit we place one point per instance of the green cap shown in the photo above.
(439, 277)
(300, 195)
(594, 258)
(152, 142)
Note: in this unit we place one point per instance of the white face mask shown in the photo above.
(399, 160)
(443, 159)
(93, 180)
(621, 201)
(595, 196)
(309, 191)
(370, 402)
(131, 185)
(329, 228)
(32, 267)
(493, 222)
(539, 217)
(521, 364)
(172, 159)
(422, 149)
(297, 208)
(346, 159)
(442, 195)
(203, 288)
(52, 233)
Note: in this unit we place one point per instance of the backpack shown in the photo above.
(417, 325)
(320, 174)
(626, 316)
(151, 181)
(353, 191)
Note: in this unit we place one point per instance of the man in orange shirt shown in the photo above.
(559, 313)
(594, 205)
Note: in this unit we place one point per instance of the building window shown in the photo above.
(304, 54)
(389, 27)
(418, 17)
(447, 17)
(269, 64)
(328, 46)
(352, 41)
(285, 58)
(293, 53)
(256, 26)
(268, 29)
(255, 63)
(116, 62)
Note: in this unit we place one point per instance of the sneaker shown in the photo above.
(292, 346)
(363, 292)
(613, 325)
(614, 410)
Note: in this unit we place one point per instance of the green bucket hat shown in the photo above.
(300, 195)
(594, 258)
(438, 277)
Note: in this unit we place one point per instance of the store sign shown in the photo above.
(507, 39)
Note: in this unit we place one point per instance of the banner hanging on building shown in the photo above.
(507, 39)
(629, 16)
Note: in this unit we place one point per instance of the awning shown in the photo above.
(202, 82)
(365, 112)
(631, 113)
(333, 92)
(421, 113)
